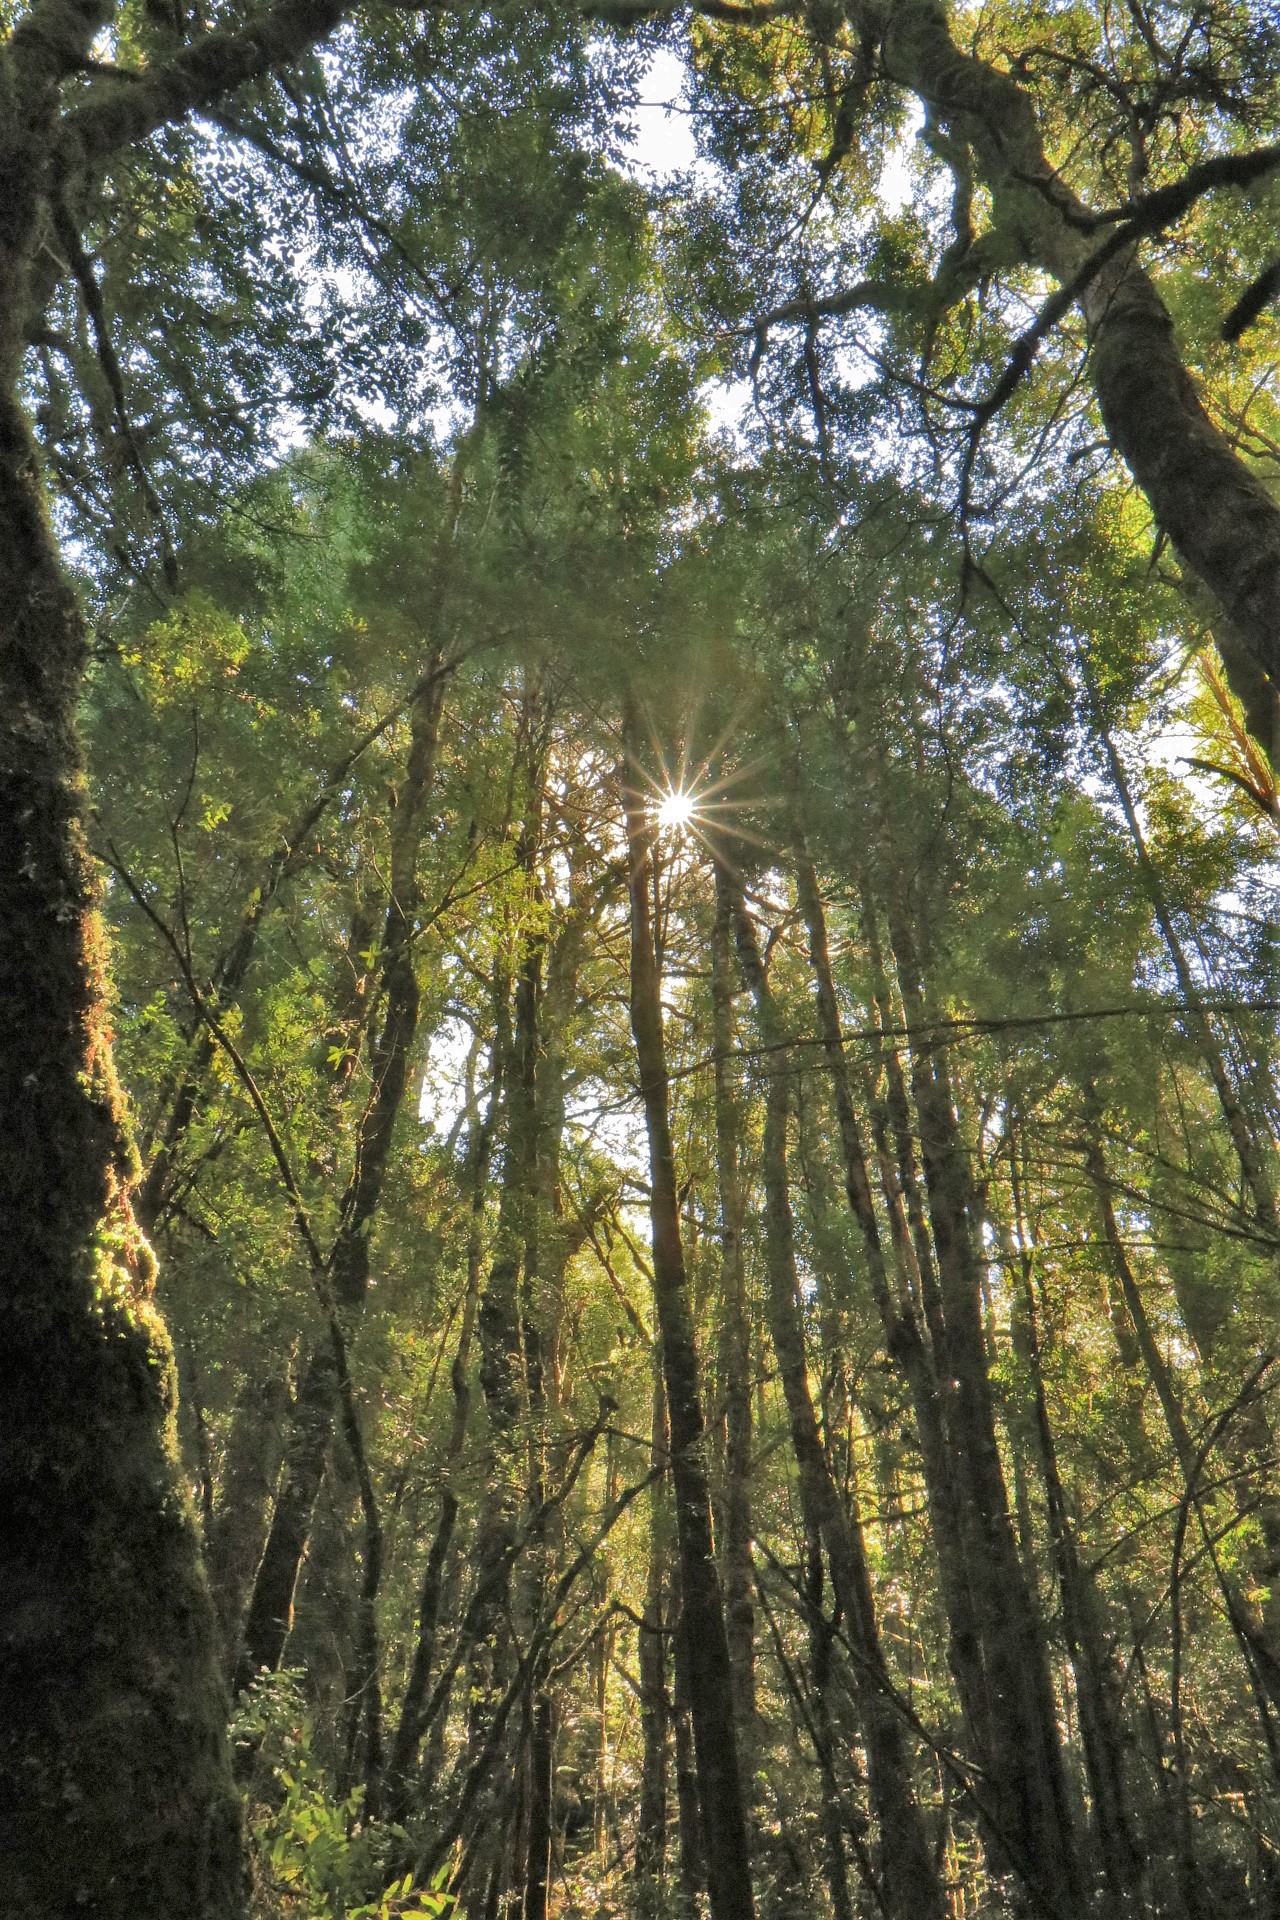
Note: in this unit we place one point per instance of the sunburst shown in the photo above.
(676, 809)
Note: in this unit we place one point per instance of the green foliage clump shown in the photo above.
(312, 1854)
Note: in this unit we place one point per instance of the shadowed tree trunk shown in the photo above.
(911, 1889)
(651, 1824)
(1101, 1725)
(735, 1333)
(1034, 1810)
(270, 1612)
(537, 1850)
(997, 1654)
(113, 1765)
(710, 1675)
(233, 1540)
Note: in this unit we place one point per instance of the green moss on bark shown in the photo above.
(116, 1796)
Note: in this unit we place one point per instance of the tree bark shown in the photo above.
(651, 1823)
(233, 1540)
(113, 1762)
(911, 1889)
(735, 1333)
(411, 1724)
(997, 1653)
(270, 1613)
(1101, 1732)
(710, 1675)
(1034, 1810)
(906, 1309)
(541, 1787)
(1221, 518)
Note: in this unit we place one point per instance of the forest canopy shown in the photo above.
(638, 961)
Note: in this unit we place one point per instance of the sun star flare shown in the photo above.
(675, 810)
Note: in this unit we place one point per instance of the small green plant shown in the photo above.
(313, 1855)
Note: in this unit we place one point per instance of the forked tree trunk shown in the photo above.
(710, 1675)
(1219, 514)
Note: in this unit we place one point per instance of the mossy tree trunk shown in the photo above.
(114, 1773)
(113, 1763)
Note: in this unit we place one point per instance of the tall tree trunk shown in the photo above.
(537, 1875)
(710, 1674)
(270, 1613)
(1101, 1730)
(911, 1888)
(411, 1724)
(113, 1763)
(233, 1541)
(821, 1637)
(651, 1823)
(692, 1852)
(735, 1332)
(997, 1652)
(504, 1385)
(906, 1307)
(1034, 1806)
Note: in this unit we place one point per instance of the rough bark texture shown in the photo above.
(113, 1768)
(709, 1672)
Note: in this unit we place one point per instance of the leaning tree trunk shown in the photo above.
(708, 1669)
(1222, 520)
